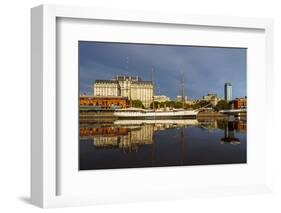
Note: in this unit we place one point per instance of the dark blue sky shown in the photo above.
(205, 69)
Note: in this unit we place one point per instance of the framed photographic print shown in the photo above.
(130, 118)
(149, 106)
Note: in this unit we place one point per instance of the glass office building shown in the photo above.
(227, 92)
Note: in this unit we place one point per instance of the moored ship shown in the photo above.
(136, 113)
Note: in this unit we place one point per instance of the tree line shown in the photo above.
(221, 105)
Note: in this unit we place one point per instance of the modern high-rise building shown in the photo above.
(227, 92)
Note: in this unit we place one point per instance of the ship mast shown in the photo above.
(182, 92)
(152, 79)
(129, 91)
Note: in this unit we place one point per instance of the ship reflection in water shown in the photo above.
(151, 143)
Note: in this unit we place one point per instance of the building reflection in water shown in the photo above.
(229, 131)
(229, 127)
(129, 136)
(127, 139)
(229, 136)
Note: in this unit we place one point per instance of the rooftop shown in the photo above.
(102, 97)
(106, 81)
(134, 79)
(127, 77)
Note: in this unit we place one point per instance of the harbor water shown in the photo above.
(159, 143)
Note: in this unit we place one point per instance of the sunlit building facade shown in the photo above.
(212, 98)
(161, 98)
(131, 87)
(240, 103)
(103, 101)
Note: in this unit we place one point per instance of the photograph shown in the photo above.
(159, 105)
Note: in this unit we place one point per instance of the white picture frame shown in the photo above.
(44, 154)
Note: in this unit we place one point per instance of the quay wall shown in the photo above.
(211, 114)
(107, 116)
(97, 117)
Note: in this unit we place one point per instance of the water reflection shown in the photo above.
(161, 143)
(127, 138)
(229, 136)
(129, 134)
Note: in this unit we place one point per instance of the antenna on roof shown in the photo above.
(127, 64)
(158, 90)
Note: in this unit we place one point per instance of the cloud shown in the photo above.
(204, 69)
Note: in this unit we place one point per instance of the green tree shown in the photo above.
(204, 103)
(163, 104)
(222, 104)
(188, 106)
(172, 104)
(167, 103)
(196, 106)
(200, 104)
(156, 104)
(177, 104)
(137, 104)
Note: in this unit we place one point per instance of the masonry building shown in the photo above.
(161, 98)
(212, 98)
(130, 87)
(240, 103)
(103, 102)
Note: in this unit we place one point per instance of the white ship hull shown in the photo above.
(147, 114)
(189, 122)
